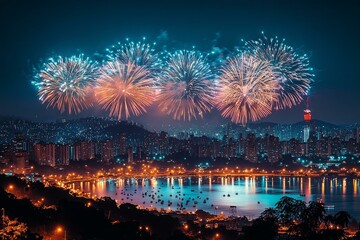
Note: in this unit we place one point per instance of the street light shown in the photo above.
(60, 230)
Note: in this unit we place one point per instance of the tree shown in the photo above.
(260, 229)
(331, 234)
(310, 219)
(313, 215)
(289, 211)
(342, 219)
(270, 214)
(202, 214)
(264, 227)
(12, 229)
(328, 220)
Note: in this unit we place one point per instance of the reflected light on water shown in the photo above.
(210, 183)
(251, 195)
(355, 181)
(283, 185)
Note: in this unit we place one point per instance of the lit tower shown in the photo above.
(307, 118)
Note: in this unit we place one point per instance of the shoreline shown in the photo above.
(139, 176)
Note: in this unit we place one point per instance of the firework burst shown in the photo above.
(246, 89)
(65, 83)
(141, 53)
(291, 70)
(124, 89)
(185, 86)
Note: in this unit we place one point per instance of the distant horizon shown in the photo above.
(74, 117)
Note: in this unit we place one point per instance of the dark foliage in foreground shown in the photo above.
(100, 219)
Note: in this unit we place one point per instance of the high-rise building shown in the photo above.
(19, 149)
(312, 145)
(107, 151)
(122, 144)
(5, 154)
(84, 150)
(21, 160)
(251, 153)
(62, 154)
(139, 152)
(324, 145)
(351, 146)
(273, 149)
(214, 148)
(295, 147)
(163, 143)
(231, 148)
(241, 145)
(151, 143)
(307, 118)
(130, 154)
(356, 135)
(45, 154)
(336, 146)
(19, 143)
(306, 133)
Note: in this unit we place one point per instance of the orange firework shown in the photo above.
(247, 89)
(124, 89)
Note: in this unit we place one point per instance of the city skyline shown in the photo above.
(179, 119)
(111, 142)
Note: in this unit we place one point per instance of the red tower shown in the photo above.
(307, 112)
(307, 115)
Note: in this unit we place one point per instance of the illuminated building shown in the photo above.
(356, 135)
(306, 133)
(307, 118)
(312, 144)
(214, 148)
(122, 144)
(352, 146)
(251, 148)
(295, 147)
(336, 146)
(130, 154)
(241, 145)
(21, 160)
(273, 149)
(107, 151)
(163, 143)
(62, 153)
(45, 154)
(20, 150)
(139, 152)
(84, 150)
(324, 145)
(151, 143)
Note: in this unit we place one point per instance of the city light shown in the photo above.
(206, 128)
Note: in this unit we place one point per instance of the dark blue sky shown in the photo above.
(327, 30)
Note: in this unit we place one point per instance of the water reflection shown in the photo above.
(251, 195)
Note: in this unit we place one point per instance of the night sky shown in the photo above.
(326, 30)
